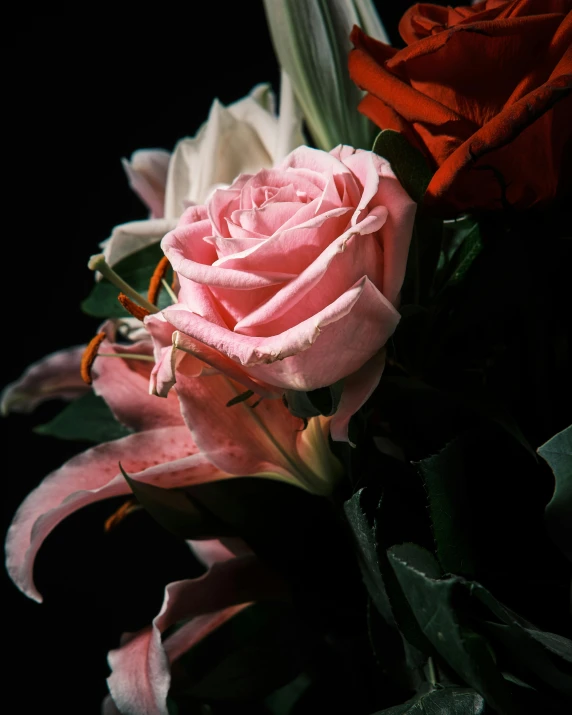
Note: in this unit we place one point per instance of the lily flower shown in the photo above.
(141, 667)
(175, 443)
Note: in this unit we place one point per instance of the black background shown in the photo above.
(81, 90)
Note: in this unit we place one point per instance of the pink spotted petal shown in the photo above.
(165, 457)
(124, 385)
(240, 439)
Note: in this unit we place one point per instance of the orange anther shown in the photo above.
(136, 310)
(155, 282)
(117, 517)
(88, 357)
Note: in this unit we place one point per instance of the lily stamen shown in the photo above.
(98, 263)
(136, 310)
(117, 517)
(157, 280)
(88, 357)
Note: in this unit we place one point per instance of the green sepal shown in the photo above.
(322, 401)
(461, 245)
(558, 453)
(87, 419)
(136, 269)
(407, 162)
(176, 511)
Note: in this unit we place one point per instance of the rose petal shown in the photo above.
(158, 457)
(189, 255)
(276, 359)
(57, 376)
(381, 188)
(333, 272)
(293, 248)
(357, 390)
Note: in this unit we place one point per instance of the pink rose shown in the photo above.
(291, 275)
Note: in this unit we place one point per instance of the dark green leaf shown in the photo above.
(408, 163)
(558, 453)
(461, 244)
(327, 399)
(177, 512)
(88, 418)
(300, 404)
(545, 655)
(136, 270)
(451, 701)
(451, 514)
(365, 539)
(432, 600)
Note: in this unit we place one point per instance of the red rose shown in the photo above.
(484, 92)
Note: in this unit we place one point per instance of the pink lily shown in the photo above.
(141, 673)
(176, 443)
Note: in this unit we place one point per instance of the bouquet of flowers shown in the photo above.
(334, 365)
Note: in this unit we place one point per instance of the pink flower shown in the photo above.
(290, 277)
(141, 672)
(176, 443)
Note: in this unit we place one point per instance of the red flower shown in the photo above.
(484, 92)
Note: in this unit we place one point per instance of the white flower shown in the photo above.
(243, 137)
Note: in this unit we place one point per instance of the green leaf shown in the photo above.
(461, 244)
(451, 701)
(558, 453)
(450, 510)
(327, 399)
(433, 601)
(465, 255)
(177, 512)
(407, 162)
(136, 270)
(365, 539)
(88, 418)
(544, 655)
(323, 401)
